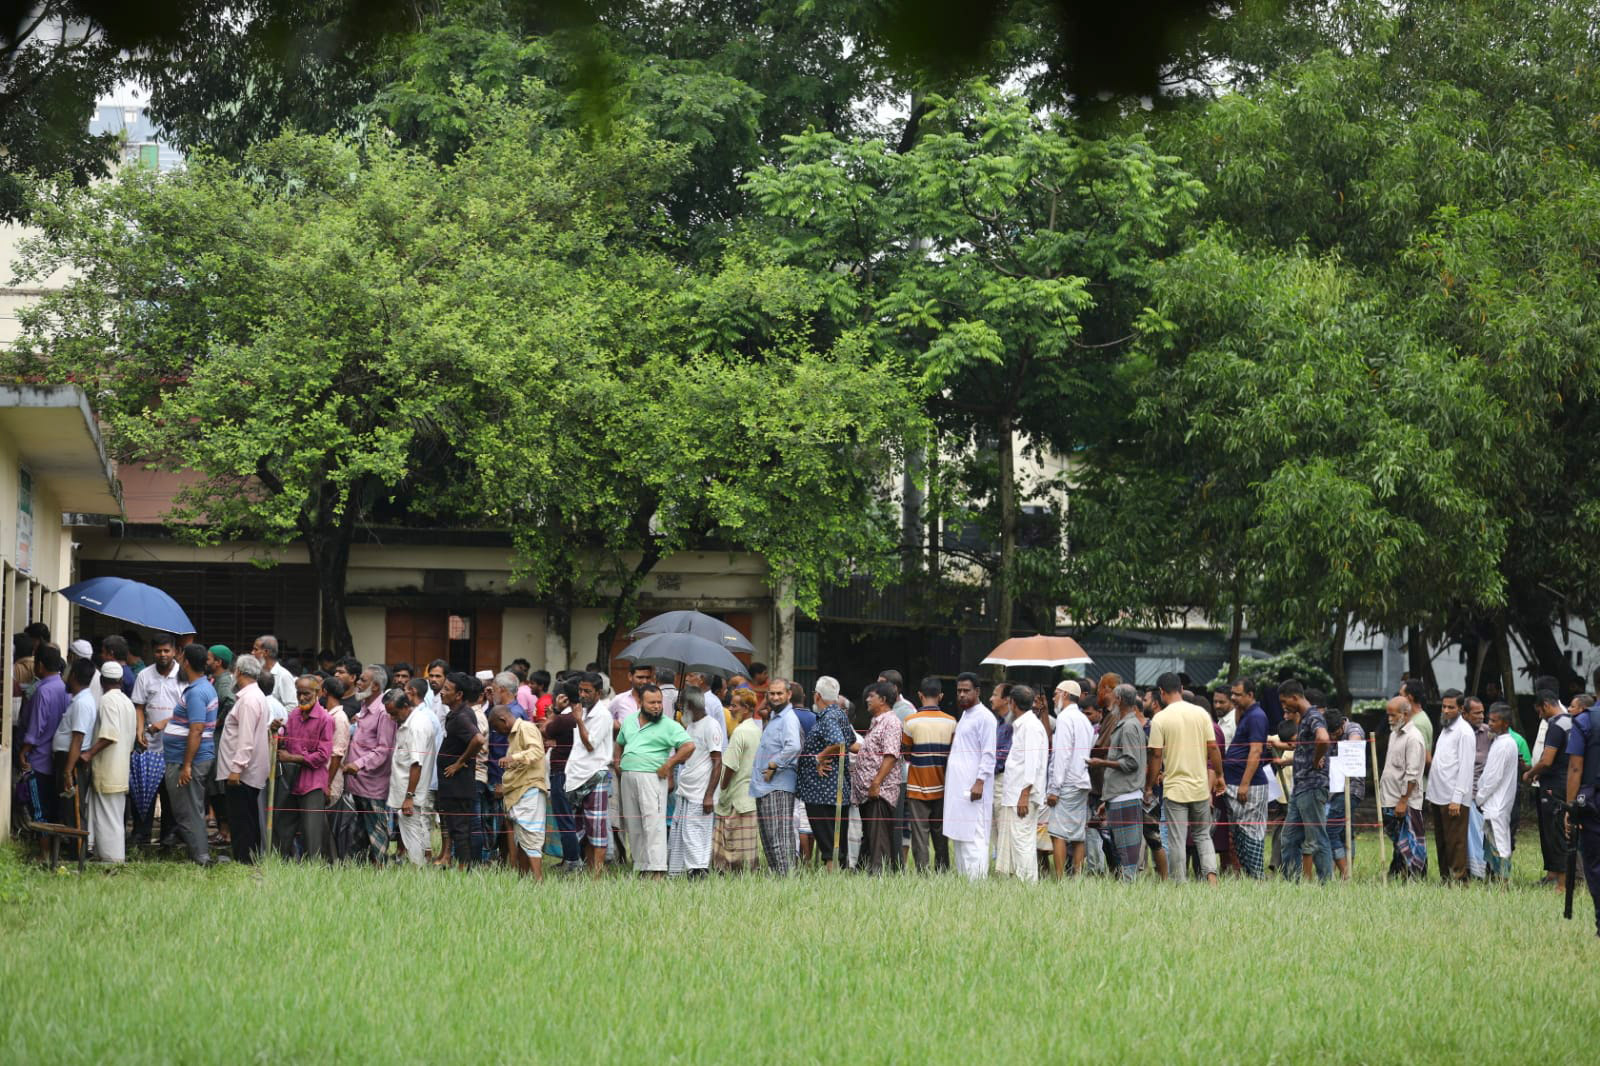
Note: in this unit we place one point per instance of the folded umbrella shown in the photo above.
(699, 624)
(685, 651)
(131, 601)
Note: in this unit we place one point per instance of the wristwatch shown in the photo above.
(411, 795)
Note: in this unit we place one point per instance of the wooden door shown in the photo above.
(486, 630)
(414, 636)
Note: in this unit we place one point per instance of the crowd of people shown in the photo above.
(366, 762)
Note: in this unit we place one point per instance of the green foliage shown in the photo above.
(493, 338)
(1301, 662)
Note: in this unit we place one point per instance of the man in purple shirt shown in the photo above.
(366, 765)
(305, 747)
(41, 717)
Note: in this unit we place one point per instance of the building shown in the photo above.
(53, 472)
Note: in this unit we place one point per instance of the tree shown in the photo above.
(979, 257)
(331, 321)
(53, 66)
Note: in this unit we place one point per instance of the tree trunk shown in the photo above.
(1235, 635)
(911, 508)
(931, 511)
(1476, 685)
(1548, 656)
(330, 558)
(1421, 662)
(1502, 655)
(1341, 682)
(623, 604)
(1008, 528)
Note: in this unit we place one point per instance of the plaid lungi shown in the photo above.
(1248, 821)
(593, 800)
(775, 815)
(733, 842)
(1409, 833)
(1126, 820)
(372, 829)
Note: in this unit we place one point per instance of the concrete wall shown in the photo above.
(367, 630)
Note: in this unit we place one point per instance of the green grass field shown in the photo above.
(159, 962)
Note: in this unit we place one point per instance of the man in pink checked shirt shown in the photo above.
(305, 747)
(366, 766)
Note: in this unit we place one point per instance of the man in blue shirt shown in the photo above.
(1244, 772)
(1588, 780)
(1305, 829)
(772, 777)
(189, 747)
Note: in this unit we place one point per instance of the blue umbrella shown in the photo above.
(130, 601)
(697, 624)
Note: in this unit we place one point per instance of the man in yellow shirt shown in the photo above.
(525, 788)
(1185, 759)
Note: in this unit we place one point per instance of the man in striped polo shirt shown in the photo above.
(925, 740)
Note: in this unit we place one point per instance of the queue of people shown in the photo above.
(383, 764)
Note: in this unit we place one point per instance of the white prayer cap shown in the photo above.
(111, 671)
(81, 648)
(1071, 687)
(484, 675)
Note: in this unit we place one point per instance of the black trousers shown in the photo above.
(880, 836)
(244, 817)
(305, 814)
(465, 825)
(821, 817)
(1552, 838)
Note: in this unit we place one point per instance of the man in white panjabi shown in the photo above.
(969, 783)
(1027, 769)
(1497, 789)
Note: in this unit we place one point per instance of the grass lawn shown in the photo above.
(159, 962)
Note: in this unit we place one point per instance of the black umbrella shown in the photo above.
(695, 623)
(685, 651)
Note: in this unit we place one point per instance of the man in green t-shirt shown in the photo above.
(649, 745)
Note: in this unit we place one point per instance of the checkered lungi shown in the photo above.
(1249, 824)
(592, 800)
(1126, 820)
(1408, 831)
(775, 816)
(372, 827)
(733, 842)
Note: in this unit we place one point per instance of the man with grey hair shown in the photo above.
(497, 827)
(266, 649)
(243, 757)
(818, 781)
(367, 765)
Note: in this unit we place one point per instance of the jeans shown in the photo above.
(566, 820)
(1305, 832)
(188, 808)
